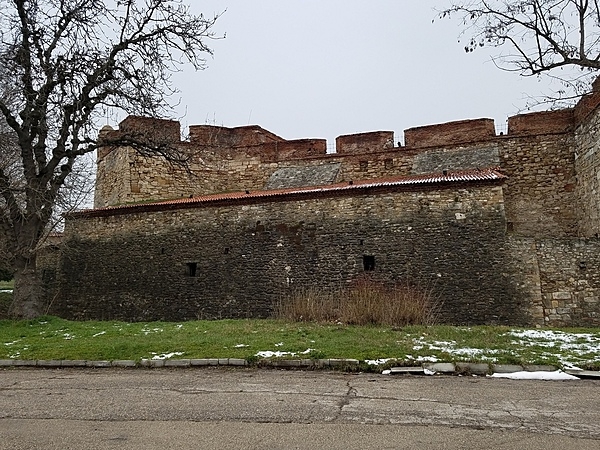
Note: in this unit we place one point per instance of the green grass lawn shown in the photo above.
(53, 338)
(7, 284)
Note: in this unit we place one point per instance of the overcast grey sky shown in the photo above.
(323, 68)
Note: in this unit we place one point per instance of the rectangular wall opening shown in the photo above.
(369, 263)
(191, 269)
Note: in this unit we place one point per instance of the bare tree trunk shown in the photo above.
(28, 302)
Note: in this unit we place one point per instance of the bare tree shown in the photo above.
(64, 62)
(537, 37)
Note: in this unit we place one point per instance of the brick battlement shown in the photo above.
(450, 133)
(231, 137)
(544, 122)
(276, 148)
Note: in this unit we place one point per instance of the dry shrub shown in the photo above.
(309, 305)
(365, 302)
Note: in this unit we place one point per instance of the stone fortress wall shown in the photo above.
(536, 154)
(520, 249)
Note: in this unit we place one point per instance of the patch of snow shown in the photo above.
(6, 291)
(240, 346)
(386, 372)
(99, 334)
(12, 343)
(68, 336)
(278, 354)
(551, 335)
(428, 372)
(147, 331)
(377, 362)
(270, 354)
(279, 344)
(179, 326)
(166, 355)
(558, 375)
(427, 359)
(586, 345)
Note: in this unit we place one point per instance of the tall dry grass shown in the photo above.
(365, 302)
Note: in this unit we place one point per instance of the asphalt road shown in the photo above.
(264, 409)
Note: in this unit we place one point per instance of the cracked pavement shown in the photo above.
(225, 408)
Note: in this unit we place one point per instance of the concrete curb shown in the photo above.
(466, 368)
(460, 368)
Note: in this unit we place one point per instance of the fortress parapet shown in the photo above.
(361, 143)
(245, 136)
(544, 122)
(451, 133)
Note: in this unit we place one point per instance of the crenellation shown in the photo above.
(364, 143)
(543, 122)
(451, 133)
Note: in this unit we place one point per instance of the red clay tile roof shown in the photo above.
(449, 177)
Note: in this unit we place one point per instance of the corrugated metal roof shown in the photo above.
(463, 176)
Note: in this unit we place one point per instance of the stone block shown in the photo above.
(440, 367)
(506, 368)
(6, 362)
(74, 363)
(199, 362)
(547, 300)
(98, 364)
(285, 363)
(177, 363)
(537, 311)
(343, 362)
(223, 361)
(473, 368)
(539, 368)
(24, 363)
(49, 363)
(237, 362)
(562, 295)
(123, 363)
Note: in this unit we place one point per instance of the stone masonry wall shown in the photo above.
(561, 277)
(570, 281)
(587, 164)
(247, 255)
(540, 190)
(495, 255)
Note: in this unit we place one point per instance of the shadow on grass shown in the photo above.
(5, 301)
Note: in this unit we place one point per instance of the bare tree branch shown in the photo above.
(63, 62)
(536, 37)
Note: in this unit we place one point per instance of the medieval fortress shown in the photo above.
(504, 227)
